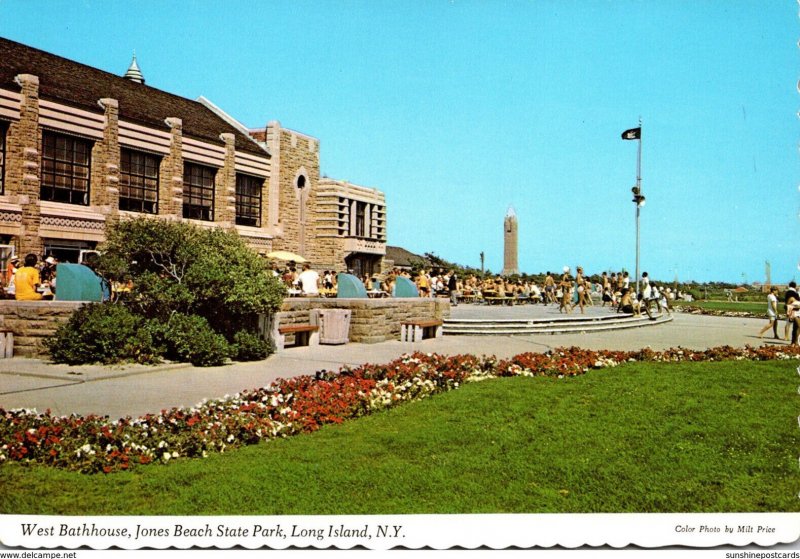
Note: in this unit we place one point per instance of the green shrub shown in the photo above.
(248, 346)
(189, 338)
(105, 333)
(178, 267)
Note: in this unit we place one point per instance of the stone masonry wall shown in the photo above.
(372, 320)
(33, 321)
(297, 155)
(23, 174)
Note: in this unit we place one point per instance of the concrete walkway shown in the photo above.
(135, 390)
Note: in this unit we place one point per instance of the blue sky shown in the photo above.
(459, 109)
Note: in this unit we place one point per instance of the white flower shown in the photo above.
(166, 456)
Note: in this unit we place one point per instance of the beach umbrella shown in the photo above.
(286, 256)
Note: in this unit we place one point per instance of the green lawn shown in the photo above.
(707, 437)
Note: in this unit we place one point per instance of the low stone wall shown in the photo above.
(372, 320)
(32, 322)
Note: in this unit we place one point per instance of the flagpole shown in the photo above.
(638, 206)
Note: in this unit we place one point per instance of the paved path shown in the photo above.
(136, 390)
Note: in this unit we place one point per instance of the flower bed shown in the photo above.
(690, 309)
(287, 407)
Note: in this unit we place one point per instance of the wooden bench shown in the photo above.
(417, 330)
(304, 334)
(6, 344)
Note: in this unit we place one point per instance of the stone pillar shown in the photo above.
(27, 142)
(271, 210)
(225, 184)
(105, 164)
(170, 190)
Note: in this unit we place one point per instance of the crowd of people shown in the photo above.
(569, 292)
(30, 279)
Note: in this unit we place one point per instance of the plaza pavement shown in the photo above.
(134, 390)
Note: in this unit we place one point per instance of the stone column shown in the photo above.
(273, 198)
(170, 189)
(225, 184)
(105, 164)
(27, 141)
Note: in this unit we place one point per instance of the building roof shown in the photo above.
(401, 257)
(75, 84)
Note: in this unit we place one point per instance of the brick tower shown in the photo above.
(510, 265)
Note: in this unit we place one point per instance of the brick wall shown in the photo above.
(34, 321)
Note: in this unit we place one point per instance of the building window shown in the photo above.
(198, 191)
(66, 162)
(248, 200)
(3, 129)
(361, 208)
(138, 182)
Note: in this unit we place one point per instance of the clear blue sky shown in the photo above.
(459, 109)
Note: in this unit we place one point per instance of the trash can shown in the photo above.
(334, 325)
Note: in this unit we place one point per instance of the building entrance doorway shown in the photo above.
(363, 265)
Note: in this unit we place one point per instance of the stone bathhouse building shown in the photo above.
(81, 148)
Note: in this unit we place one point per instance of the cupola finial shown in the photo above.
(134, 73)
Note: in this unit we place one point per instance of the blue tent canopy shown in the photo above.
(76, 282)
(350, 287)
(404, 287)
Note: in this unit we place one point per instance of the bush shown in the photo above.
(105, 333)
(248, 346)
(178, 267)
(190, 338)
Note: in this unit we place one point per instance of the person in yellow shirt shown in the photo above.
(27, 279)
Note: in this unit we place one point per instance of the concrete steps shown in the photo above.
(554, 325)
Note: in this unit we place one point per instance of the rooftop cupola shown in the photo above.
(134, 73)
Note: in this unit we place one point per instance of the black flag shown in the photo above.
(632, 134)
